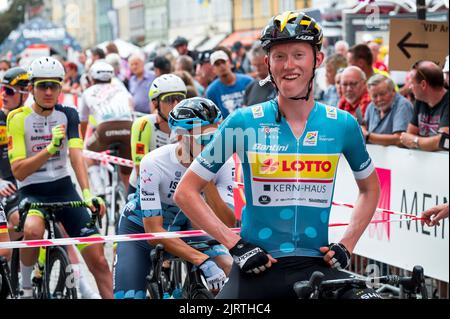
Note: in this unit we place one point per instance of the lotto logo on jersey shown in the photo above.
(287, 166)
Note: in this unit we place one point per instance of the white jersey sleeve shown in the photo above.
(224, 181)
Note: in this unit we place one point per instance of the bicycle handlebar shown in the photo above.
(316, 285)
(26, 205)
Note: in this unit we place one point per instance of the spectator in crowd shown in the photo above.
(361, 56)
(337, 83)
(72, 80)
(185, 63)
(189, 81)
(240, 60)
(430, 117)
(204, 71)
(161, 66)
(255, 93)
(378, 63)
(125, 73)
(115, 61)
(111, 47)
(97, 54)
(341, 47)
(181, 45)
(140, 83)
(332, 64)
(445, 70)
(81, 62)
(388, 115)
(355, 97)
(227, 92)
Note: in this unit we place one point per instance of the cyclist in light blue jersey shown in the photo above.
(290, 148)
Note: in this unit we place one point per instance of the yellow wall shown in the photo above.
(260, 19)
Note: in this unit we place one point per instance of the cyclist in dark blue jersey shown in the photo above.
(290, 148)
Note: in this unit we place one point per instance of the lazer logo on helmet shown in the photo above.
(305, 37)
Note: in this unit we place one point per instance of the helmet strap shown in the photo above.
(164, 118)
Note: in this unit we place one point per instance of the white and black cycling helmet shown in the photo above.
(101, 71)
(193, 113)
(46, 68)
(168, 83)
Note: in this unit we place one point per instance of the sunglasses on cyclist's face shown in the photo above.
(172, 98)
(44, 85)
(203, 139)
(10, 91)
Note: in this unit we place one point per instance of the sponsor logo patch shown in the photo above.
(331, 112)
(311, 139)
(258, 112)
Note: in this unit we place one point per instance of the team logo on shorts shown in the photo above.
(311, 139)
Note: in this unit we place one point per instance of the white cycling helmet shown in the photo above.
(46, 67)
(167, 83)
(101, 71)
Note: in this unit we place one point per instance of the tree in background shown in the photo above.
(15, 15)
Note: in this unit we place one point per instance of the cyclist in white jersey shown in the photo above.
(111, 107)
(153, 209)
(152, 131)
(42, 139)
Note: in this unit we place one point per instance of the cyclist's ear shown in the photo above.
(320, 57)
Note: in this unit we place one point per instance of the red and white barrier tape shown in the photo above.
(103, 239)
(140, 237)
(108, 158)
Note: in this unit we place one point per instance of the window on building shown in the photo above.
(286, 5)
(247, 9)
(265, 7)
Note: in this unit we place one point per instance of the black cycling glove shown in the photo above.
(250, 258)
(342, 256)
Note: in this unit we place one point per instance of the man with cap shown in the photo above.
(241, 61)
(228, 90)
(181, 45)
(204, 72)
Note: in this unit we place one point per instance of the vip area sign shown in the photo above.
(414, 40)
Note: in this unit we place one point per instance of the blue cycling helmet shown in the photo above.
(192, 113)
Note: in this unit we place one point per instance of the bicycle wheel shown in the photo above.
(59, 277)
(200, 292)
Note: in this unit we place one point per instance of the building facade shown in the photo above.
(199, 20)
(77, 16)
(254, 14)
(156, 20)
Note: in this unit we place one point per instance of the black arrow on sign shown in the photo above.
(402, 45)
